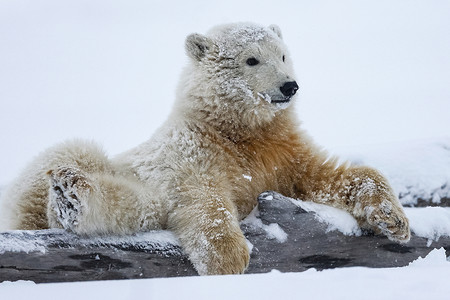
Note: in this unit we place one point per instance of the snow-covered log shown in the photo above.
(283, 234)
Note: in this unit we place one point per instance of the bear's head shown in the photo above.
(239, 70)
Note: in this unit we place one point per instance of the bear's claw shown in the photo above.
(393, 224)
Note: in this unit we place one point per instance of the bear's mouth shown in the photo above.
(278, 98)
(280, 101)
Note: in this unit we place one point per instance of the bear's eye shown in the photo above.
(284, 58)
(252, 61)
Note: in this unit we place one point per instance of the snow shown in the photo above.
(425, 278)
(429, 222)
(21, 245)
(248, 177)
(336, 219)
(17, 241)
(373, 77)
(273, 230)
(247, 32)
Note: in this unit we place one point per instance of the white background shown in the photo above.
(369, 71)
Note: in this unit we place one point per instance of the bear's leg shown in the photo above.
(26, 200)
(95, 204)
(206, 224)
(364, 193)
(360, 190)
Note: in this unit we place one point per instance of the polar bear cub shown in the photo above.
(232, 135)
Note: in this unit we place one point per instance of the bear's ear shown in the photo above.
(197, 45)
(277, 30)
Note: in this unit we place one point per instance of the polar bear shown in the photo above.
(232, 134)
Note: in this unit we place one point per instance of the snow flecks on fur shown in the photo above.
(367, 187)
(236, 89)
(231, 39)
(281, 106)
(368, 210)
(201, 254)
(248, 177)
(386, 207)
(265, 96)
(322, 197)
(68, 185)
(222, 84)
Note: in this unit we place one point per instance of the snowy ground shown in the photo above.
(372, 74)
(422, 279)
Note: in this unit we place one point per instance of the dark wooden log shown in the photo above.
(444, 202)
(61, 256)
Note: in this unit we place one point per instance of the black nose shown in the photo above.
(289, 88)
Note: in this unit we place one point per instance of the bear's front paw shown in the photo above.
(224, 255)
(389, 220)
